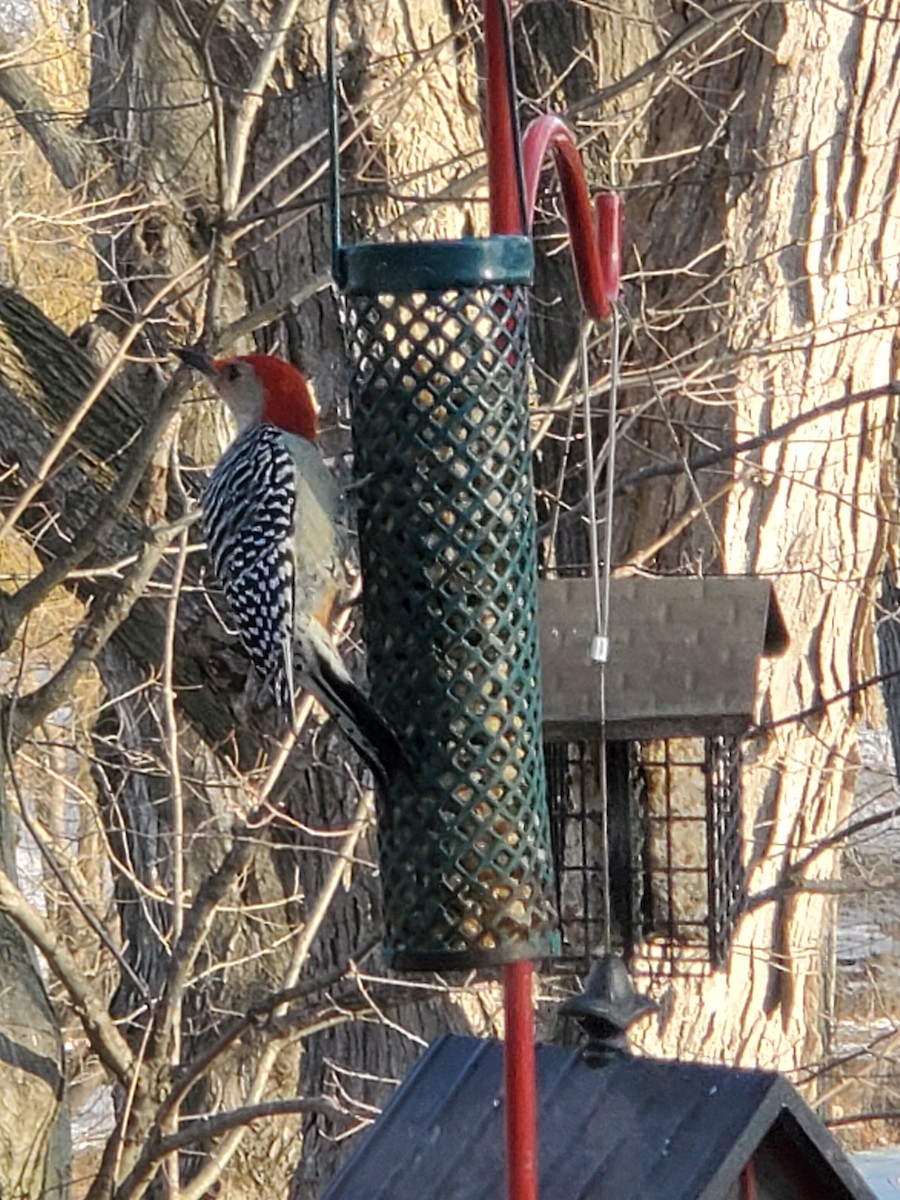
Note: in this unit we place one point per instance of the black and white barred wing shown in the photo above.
(248, 520)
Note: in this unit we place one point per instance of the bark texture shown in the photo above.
(761, 215)
(35, 1144)
(758, 157)
(814, 241)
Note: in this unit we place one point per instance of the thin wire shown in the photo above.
(598, 646)
(601, 575)
(334, 131)
(599, 643)
(612, 420)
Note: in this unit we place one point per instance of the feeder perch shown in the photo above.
(438, 342)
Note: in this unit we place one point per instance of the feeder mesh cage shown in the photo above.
(448, 554)
(673, 845)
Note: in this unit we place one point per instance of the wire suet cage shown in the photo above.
(676, 873)
(653, 862)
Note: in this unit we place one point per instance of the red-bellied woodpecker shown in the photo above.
(270, 519)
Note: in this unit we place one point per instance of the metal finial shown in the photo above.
(606, 1009)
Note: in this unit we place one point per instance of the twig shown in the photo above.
(176, 794)
(220, 1154)
(24, 714)
(208, 898)
(105, 1039)
(733, 449)
(171, 720)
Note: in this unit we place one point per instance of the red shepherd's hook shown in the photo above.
(596, 235)
(514, 170)
(514, 167)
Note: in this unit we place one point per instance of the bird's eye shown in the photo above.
(233, 372)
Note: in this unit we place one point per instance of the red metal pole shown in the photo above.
(520, 1085)
(748, 1182)
(518, 1059)
(503, 188)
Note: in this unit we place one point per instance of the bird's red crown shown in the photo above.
(287, 402)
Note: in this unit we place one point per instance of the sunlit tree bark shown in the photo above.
(756, 146)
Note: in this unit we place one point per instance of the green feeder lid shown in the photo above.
(372, 268)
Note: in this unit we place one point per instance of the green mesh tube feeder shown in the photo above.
(437, 335)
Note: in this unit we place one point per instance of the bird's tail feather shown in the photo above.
(362, 724)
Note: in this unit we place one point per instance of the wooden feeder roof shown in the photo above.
(682, 656)
(635, 1129)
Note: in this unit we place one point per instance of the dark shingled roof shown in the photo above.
(637, 1129)
(683, 655)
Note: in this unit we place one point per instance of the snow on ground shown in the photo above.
(865, 1024)
(881, 1171)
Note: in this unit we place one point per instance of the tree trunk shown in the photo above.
(757, 159)
(35, 1143)
(758, 212)
(889, 654)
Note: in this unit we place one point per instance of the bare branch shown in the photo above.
(72, 157)
(90, 398)
(674, 530)
(733, 449)
(106, 619)
(252, 102)
(104, 1037)
(207, 1175)
(254, 1016)
(732, 14)
(64, 881)
(884, 1114)
(793, 881)
(265, 314)
(202, 1128)
(95, 532)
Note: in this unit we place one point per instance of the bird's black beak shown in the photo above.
(193, 356)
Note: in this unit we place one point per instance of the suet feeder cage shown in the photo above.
(676, 871)
(664, 836)
(438, 341)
